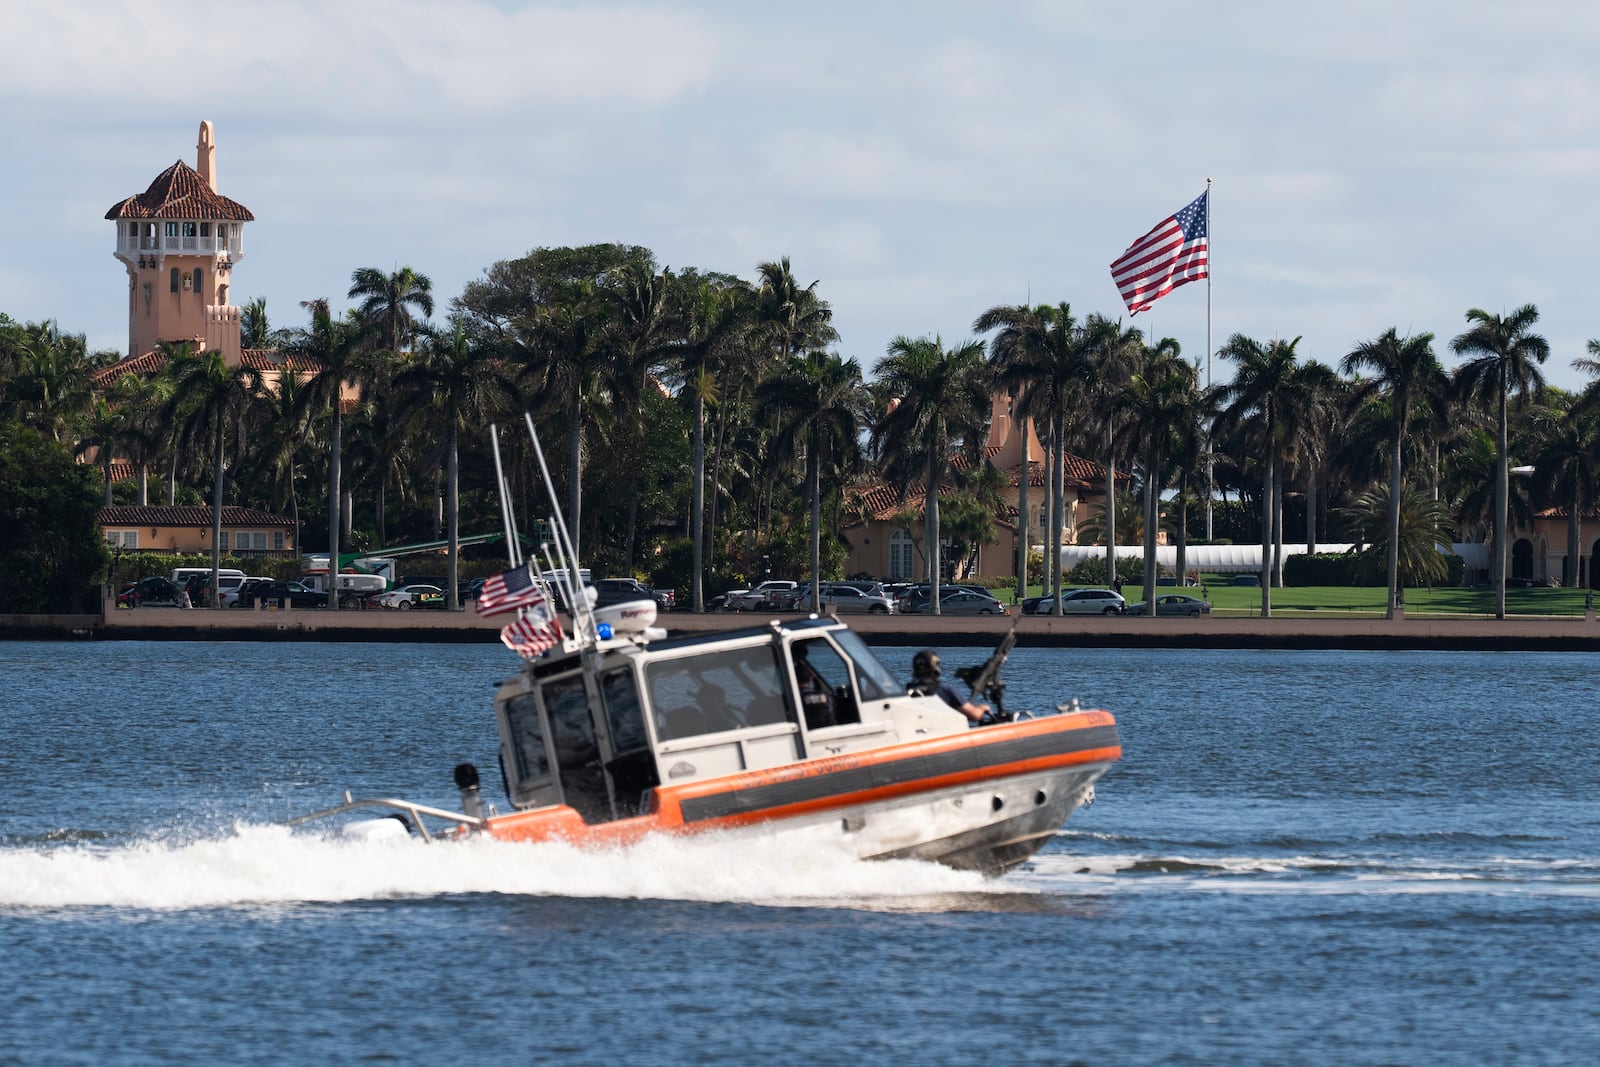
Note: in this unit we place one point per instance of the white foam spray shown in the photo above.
(261, 865)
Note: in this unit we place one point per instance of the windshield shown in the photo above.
(876, 680)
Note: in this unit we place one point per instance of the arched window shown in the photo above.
(197, 277)
(175, 275)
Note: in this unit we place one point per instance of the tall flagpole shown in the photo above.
(1210, 473)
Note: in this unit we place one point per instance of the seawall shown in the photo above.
(1523, 633)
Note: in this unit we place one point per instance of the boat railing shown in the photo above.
(414, 811)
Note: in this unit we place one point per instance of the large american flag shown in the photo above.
(534, 633)
(516, 588)
(1170, 255)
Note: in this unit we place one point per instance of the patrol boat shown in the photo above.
(621, 731)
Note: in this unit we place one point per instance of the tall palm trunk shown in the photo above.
(931, 529)
(144, 484)
(1023, 530)
(1150, 497)
(1266, 531)
(575, 466)
(1569, 573)
(1502, 503)
(697, 508)
(335, 502)
(1059, 509)
(1392, 563)
(453, 512)
(814, 490)
(1052, 542)
(1111, 512)
(216, 519)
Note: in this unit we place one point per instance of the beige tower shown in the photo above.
(179, 240)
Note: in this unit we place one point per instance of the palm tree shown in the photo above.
(463, 382)
(1410, 374)
(793, 319)
(942, 400)
(1109, 353)
(214, 398)
(714, 324)
(1508, 356)
(1424, 526)
(387, 300)
(817, 402)
(1020, 345)
(281, 429)
(50, 381)
(1159, 406)
(107, 428)
(330, 351)
(1566, 466)
(1255, 401)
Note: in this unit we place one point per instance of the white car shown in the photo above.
(411, 596)
(1083, 602)
(230, 594)
(847, 598)
(760, 597)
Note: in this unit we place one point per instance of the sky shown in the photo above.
(1373, 165)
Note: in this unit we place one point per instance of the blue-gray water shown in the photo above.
(1318, 857)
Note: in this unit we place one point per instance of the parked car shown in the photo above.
(230, 597)
(294, 594)
(913, 596)
(411, 596)
(1082, 602)
(845, 598)
(1172, 604)
(155, 591)
(1253, 580)
(761, 597)
(962, 602)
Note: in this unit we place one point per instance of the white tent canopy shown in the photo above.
(1235, 559)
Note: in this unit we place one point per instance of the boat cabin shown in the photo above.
(599, 729)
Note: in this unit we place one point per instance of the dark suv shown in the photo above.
(152, 591)
(609, 591)
(293, 594)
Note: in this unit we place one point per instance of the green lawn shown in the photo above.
(1345, 602)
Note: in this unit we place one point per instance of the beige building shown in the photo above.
(883, 545)
(187, 528)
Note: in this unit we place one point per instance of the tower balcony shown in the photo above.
(151, 238)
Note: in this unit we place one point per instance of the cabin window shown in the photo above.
(632, 765)
(527, 738)
(716, 691)
(822, 679)
(875, 681)
(583, 782)
(176, 273)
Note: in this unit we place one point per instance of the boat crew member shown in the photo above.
(925, 682)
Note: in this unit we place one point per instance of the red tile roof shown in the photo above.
(186, 515)
(180, 193)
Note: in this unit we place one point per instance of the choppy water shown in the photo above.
(1323, 857)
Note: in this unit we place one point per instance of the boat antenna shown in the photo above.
(513, 546)
(582, 615)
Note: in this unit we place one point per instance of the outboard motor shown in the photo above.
(467, 782)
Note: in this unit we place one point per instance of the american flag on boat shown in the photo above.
(534, 633)
(516, 588)
(1172, 254)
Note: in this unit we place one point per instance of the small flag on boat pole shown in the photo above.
(533, 634)
(516, 588)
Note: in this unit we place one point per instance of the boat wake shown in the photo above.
(271, 865)
(1166, 872)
